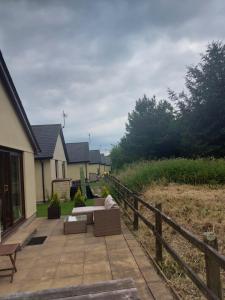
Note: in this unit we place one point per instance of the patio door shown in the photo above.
(6, 220)
(11, 192)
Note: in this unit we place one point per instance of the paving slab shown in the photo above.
(68, 260)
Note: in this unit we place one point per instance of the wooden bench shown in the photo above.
(111, 290)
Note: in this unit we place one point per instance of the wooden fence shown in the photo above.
(214, 261)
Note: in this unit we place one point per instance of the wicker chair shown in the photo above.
(107, 222)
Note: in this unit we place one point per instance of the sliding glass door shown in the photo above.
(6, 221)
(11, 189)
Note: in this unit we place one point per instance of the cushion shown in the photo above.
(86, 209)
(109, 202)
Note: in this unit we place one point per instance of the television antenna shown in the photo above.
(64, 118)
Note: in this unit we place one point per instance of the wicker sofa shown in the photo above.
(105, 215)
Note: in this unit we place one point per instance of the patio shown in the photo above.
(67, 260)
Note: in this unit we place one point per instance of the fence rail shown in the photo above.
(214, 261)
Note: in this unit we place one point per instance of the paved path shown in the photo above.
(83, 258)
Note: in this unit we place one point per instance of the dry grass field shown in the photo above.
(198, 209)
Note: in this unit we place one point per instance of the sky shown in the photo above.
(94, 59)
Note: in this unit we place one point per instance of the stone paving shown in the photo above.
(66, 260)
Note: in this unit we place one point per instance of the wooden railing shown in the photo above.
(214, 261)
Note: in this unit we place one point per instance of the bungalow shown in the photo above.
(107, 164)
(94, 164)
(102, 165)
(51, 163)
(78, 157)
(17, 148)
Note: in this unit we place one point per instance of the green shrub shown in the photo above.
(82, 182)
(79, 199)
(54, 200)
(185, 171)
(105, 192)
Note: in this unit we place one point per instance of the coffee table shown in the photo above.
(75, 224)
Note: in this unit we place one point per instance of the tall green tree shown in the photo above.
(118, 157)
(201, 111)
(150, 130)
(194, 127)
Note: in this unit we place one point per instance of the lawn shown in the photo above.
(66, 208)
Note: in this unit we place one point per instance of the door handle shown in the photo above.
(6, 188)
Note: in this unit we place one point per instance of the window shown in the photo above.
(56, 168)
(63, 169)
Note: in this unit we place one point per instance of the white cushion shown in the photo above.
(109, 202)
(86, 209)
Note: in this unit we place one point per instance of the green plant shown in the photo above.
(54, 201)
(105, 191)
(138, 175)
(82, 182)
(79, 199)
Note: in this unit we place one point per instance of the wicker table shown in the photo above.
(75, 224)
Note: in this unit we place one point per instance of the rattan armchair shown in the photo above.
(107, 222)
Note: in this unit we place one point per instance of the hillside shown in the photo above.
(188, 171)
(197, 207)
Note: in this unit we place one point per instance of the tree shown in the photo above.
(150, 132)
(194, 127)
(201, 111)
(117, 157)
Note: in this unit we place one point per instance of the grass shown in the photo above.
(198, 208)
(192, 193)
(188, 171)
(66, 208)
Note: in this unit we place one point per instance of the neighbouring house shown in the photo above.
(94, 165)
(51, 162)
(102, 165)
(107, 164)
(17, 148)
(78, 157)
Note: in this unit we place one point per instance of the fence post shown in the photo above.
(136, 220)
(212, 267)
(158, 229)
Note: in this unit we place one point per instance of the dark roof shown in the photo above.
(108, 161)
(102, 159)
(95, 157)
(16, 102)
(47, 136)
(78, 152)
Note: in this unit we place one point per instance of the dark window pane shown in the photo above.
(16, 193)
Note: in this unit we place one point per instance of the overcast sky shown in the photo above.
(94, 59)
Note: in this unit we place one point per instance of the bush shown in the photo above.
(105, 192)
(185, 171)
(54, 201)
(79, 199)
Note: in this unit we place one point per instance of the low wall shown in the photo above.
(62, 188)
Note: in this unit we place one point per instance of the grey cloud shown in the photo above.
(95, 58)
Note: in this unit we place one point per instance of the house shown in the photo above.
(107, 164)
(17, 148)
(94, 164)
(51, 162)
(78, 157)
(102, 165)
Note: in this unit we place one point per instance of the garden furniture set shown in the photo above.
(104, 215)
